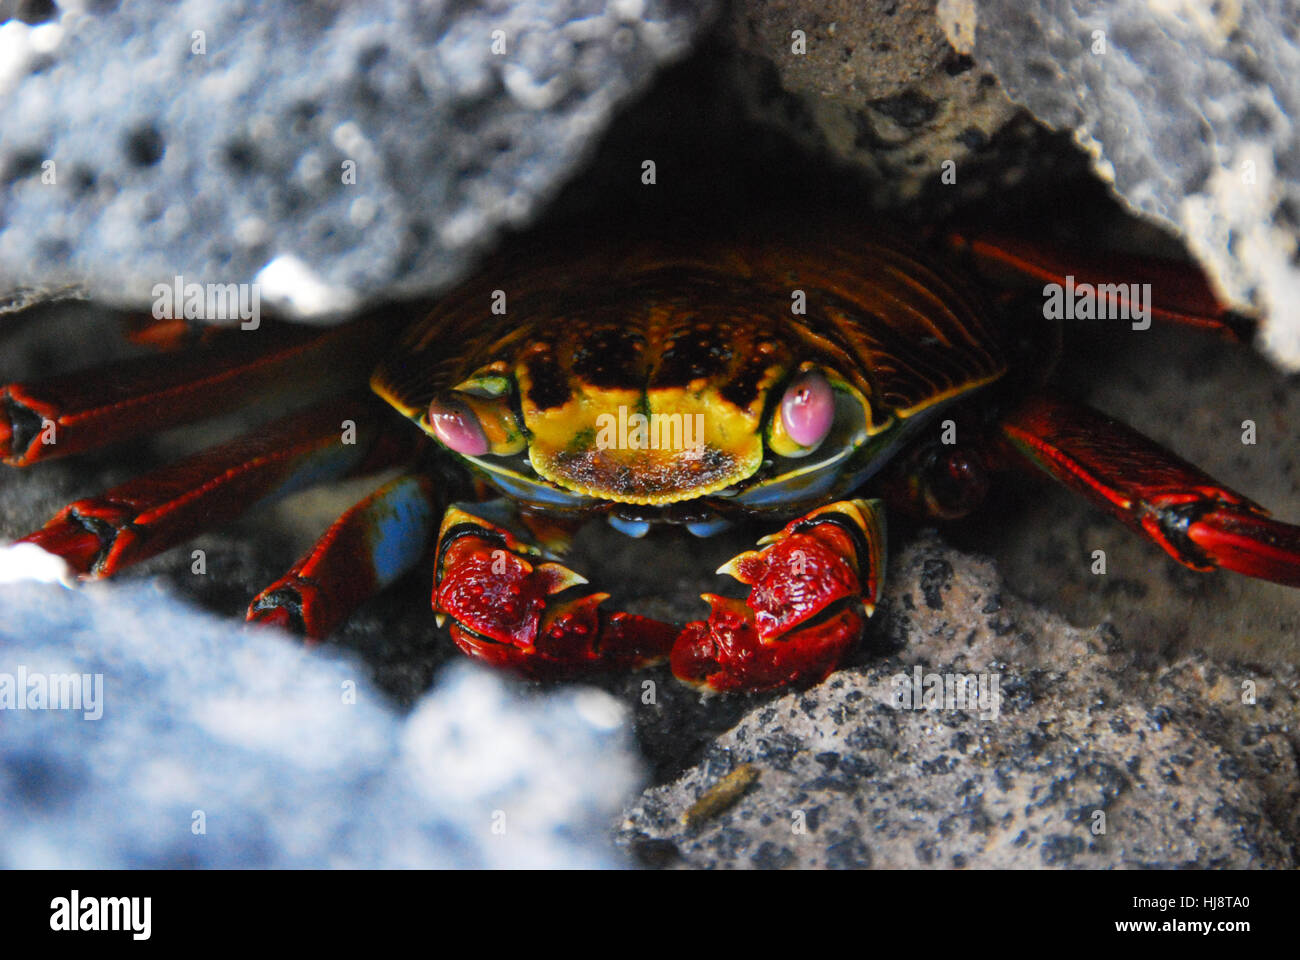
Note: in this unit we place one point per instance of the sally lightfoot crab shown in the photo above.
(811, 378)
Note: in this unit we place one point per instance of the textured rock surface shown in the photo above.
(1083, 760)
(1189, 110)
(880, 86)
(215, 164)
(284, 759)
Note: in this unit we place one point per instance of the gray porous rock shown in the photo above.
(1189, 110)
(880, 86)
(204, 744)
(1084, 760)
(336, 153)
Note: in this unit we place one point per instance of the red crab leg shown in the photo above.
(1195, 519)
(814, 586)
(363, 552)
(500, 599)
(1179, 292)
(95, 408)
(144, 516)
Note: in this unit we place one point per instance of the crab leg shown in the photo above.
(363, 552)
(1192, 517)
(814, 584)
(498, 591)
(101, 535)
(68, 414)
(1179, 292)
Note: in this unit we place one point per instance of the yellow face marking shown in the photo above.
(656, 447)
(652, 446)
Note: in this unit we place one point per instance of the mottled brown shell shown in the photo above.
(708, 319)
(667, 312)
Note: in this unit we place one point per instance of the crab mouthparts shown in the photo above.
(647, 477)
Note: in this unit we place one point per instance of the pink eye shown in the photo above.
(456, 426)
(808, 409)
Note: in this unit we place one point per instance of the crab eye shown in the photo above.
(808, 410)
(456, 425)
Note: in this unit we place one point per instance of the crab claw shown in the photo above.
(814, 586)
(498, 593)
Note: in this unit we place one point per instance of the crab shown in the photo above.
(810, 378)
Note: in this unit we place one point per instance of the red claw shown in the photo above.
(813, 588)
(726, 654)
(499, 602)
